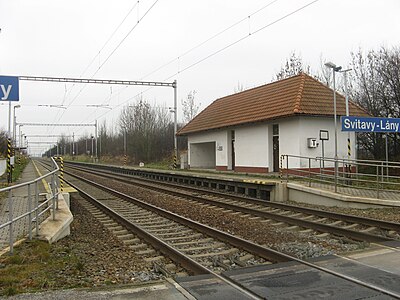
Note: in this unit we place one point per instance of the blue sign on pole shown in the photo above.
(362, 124)
(9, 88)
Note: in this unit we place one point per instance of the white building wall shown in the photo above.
(253, 143)
(294, 133)
(221, 140)
(202, 155)
(251, 146)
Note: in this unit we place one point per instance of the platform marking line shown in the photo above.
(44, 182)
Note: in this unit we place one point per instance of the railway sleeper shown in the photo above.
(148, 251)
(369, 229)
(336, 223)
(138, 246)
(126, 237)
(164, 230)
(129, 242)
(164, 226)
(211, 254)
(205, 247)
(121, 232)
(206, 240)
(155, 223)
(181, 233)
(185, 237)
(351, 226)
(113, 226)
(153, 258)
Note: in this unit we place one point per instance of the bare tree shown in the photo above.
(377, 89)
(189, 107)
(293, 66)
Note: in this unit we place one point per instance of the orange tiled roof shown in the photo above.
(297, 95)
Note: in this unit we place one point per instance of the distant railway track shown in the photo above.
(186, 242)
(293, 217)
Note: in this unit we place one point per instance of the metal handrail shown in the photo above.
(342, 172)
(35, 210)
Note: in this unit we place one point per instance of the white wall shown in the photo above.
(253, 143)
(293, 140)
(251, 146)
(219, 137)
(3, 166)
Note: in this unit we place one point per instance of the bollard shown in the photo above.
(174, 161)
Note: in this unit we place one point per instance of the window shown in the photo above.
(275, 129)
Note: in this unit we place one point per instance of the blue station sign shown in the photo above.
(9, 88)
(362, 124)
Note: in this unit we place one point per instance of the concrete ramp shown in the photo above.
(3, 166)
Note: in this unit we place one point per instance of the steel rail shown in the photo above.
(357, 235)
(305, 210)
(286, 256)
(178, 257)
(263, 252)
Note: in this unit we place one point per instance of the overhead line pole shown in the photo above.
(107, 81)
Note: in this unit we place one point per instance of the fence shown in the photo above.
(369, 175)
(34, 210)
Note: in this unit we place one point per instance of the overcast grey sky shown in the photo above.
(68, 39)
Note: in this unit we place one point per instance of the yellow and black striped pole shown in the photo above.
(9, 170)
(61, 173)
(174, 161)
(348, 148)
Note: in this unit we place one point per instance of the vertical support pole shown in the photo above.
(335, 121)
(387, 156)
(53, 200)
(61, 174)
(9, 119)
(287, 168)
(30, 212)
(125, 158)
(309, 171)
(10, 218)
(9, 171)
(73, 144)
(95, 135)
(175, 122)
(377, 182)
(36, 208)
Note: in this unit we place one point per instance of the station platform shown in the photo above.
(20, 203)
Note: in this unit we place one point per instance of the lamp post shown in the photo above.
(334, 70)
(15, 126)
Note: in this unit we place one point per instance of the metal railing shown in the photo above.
(375, 177)
(34, 209)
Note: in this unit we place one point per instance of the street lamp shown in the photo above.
(334, 70)
(15, 125)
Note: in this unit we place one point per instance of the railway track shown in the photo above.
(189, 244)
(277, 214)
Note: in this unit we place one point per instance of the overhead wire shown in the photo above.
(210, 38)
(218, 51)
(109, 56)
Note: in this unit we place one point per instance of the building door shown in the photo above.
(233, 148)
(275, 147)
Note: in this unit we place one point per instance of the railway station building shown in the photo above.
(250, 130)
